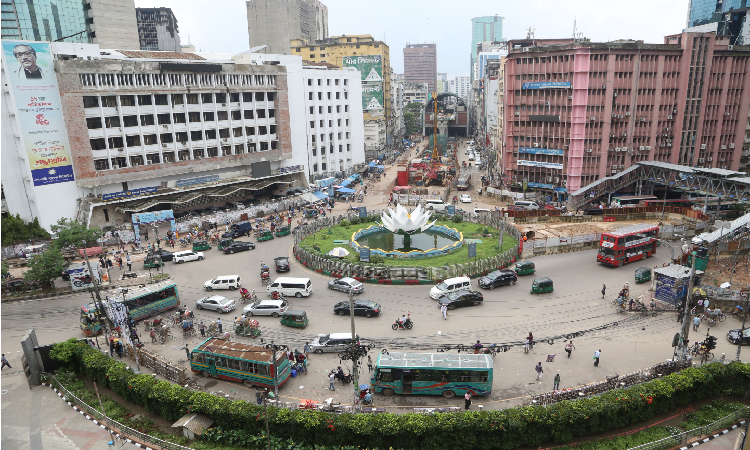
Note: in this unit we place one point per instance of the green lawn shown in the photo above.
(470, 230)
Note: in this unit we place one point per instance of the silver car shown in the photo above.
(346, 284)
(216, 303)
(273, 308)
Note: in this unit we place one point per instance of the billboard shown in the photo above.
(31, 74)
(152, 217)
(130, 193)
(546, 85)
(369, 66)
(546, 165)
(372, 96)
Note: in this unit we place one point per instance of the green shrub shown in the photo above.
(344, 223)
(495, 429)
(354, 220)
(457, 218)
(376, 259)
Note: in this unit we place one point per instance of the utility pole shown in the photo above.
(742, 331)
(355, 368)
(686, 314)
(95, 280)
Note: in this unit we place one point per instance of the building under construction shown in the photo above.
(452, 116)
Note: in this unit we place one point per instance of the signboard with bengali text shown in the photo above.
(31, 74)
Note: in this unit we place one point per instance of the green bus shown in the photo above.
(433, 374)
(250, 364)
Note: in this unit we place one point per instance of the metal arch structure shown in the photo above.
(452, 112)
(429, 107)
(718, 182)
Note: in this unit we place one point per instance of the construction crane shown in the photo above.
(435, 154)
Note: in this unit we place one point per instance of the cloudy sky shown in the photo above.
(221, 25)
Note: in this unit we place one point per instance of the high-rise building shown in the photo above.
(442, 82)
(157, 29)
(487, 28)
(372, 59)
(420, 64)
(725, 18)
(461, 86)
(276, 23)
(579, 112)
(109, 23)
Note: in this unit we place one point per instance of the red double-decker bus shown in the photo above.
(628, 244)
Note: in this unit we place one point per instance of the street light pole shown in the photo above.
(355, 368)
(94, 280)
(685, 332)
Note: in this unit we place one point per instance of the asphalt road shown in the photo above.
(506, 316)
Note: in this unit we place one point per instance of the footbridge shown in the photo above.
(714, 182)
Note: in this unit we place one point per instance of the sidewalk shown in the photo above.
(38, 419)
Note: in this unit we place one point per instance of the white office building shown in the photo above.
(461, 86)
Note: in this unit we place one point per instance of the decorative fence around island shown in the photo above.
(384, 274)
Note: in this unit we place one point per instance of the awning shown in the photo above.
(309, 197)
(346, 182)
(320, 195)
(346, 190)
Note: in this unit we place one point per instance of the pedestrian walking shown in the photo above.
(118, 349)
(129, 267)
(569, 347)
(111, 347)
(5, 363)
(127, 258)
(556, 382)
(467, 401)
(187, 352)
(696, 323)
(539, 370)
(596, 357)
(331, 379)
(259, 396)
(218, 322)
(307, 348)
(604, 289)
(526, 345)
(119, 262)
(146, 233)
(202, 327)
(369, 363)
(109, 263)
(444, 310)
(153, 336)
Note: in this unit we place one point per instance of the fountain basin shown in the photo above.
(383, 242)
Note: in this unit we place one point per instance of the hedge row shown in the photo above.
(504, 429)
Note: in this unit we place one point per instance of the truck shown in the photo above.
(243, 228)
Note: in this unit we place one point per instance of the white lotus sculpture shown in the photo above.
(405, 223)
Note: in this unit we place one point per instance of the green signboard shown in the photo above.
(372, 96)
(370, 66)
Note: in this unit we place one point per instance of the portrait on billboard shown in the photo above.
(27, 67)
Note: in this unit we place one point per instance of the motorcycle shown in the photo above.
(341, 376)
(408, 324)
(129, 275)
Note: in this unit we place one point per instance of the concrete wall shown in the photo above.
(115, 24)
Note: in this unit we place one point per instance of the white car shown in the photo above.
(216, 303)
(187, 255)
(465, 198)
(273, 308)
(471, 156)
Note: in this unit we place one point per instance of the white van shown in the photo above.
(450, 285)
(298, 287)
(435, 205)
(525, 204)
(230, 282)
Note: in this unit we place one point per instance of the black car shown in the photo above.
(165, 255)
(733, 336)
(460, 299)
(282, 264)
(498, 278)
(365, 308)
(239, 246)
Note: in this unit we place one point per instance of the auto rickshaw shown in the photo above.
(152, 262)
(642, 274)
(525, 268)
(264, 236)
(201, 245)
(310, 213)
(225, 242)
(541, 285)
(245, 326)
(296, 319)
(282, 231)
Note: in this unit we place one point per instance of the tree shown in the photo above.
(15, 231)
(74, 234)
(413, 117)
(45, 267)
(5, 269)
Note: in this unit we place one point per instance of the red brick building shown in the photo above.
(578, 112)
(420, 64)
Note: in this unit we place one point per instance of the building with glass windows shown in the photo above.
(109, 23)
(158, 30)
(483, 29)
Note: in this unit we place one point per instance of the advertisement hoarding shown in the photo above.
(369, 66)
(547, 85)
(546, 165)
(130, 193)
(372, 96)
(31, 74)
(140, 219)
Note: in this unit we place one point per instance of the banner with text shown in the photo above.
(31, 74)
(372, 96)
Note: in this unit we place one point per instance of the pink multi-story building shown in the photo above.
(578, 112)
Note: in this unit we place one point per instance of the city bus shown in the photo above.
(250, 364)
(624, 201)
(141, 302)
(628, 244)
(433, 374)
(464, 182)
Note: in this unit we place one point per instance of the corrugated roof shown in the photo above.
(602, 180)
(676, 271)
(160, 55)
(665, 165)
(720, 172)
(197, 423)
(714, 236)
(437, 360)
